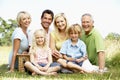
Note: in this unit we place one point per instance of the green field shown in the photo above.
(112, 62)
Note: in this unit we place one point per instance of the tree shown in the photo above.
(6, 29)
(113, 36)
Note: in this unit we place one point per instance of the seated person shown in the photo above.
(74, 50)
(41, 56)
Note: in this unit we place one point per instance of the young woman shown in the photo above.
(59, 35)
(41, 56)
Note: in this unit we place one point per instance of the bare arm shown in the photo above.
(81, 59)
(15, 51)
(101, 60)
(32, 59)
(52, 43)
(68, 58)
(49, 60)
(55, 52)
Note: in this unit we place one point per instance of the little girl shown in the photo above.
(40, 56)
(74, 50)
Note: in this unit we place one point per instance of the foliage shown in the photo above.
(6, 29)
(113, 67)
(115, 61)
(113, 36)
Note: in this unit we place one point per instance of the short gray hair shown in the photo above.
(87, 14)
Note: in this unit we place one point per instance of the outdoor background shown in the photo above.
(106, 14)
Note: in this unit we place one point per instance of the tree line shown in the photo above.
(6, 29)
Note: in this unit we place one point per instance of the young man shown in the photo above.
(46, 20)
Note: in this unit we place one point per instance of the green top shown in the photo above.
(94, 43)
(58, 41)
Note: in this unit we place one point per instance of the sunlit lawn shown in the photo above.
(113, 73)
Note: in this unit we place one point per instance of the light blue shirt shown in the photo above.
(18, 34)
(75, 51)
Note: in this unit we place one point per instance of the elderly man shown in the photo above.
(93, 41)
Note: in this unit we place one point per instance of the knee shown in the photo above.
(58, 67)
(26, 63)
(62, 62)
(69, 65)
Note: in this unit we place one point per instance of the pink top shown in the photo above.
(42, 55)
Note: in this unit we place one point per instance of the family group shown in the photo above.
(66, 48)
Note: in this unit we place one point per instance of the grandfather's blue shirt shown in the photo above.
(75, 51)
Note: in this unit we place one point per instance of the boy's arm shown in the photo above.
(81, 59)
(68, 58)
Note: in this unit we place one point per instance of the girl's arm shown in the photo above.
(49, 60)
(32, 59)
(16, 45)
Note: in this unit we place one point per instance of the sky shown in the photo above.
(106, 13)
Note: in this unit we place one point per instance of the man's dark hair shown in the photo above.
(48, 12)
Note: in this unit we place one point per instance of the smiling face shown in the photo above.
(25, 20)
(61, 23)
(74, 32)
(40, 38)
(87, 23)
(74, 36)
(46, 20)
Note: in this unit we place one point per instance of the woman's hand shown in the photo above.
(56, 54)
(24, 52)
(10, 71)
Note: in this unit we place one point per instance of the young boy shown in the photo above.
(74, 50)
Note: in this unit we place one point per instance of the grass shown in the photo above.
(113, 64)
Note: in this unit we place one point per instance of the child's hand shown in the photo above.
(80, 59)
(44, 68)
(70, 59)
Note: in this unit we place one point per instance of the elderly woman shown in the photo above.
(19, 39)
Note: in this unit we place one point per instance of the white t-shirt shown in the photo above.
(18, 34)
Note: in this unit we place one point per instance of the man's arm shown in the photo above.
(101, 60)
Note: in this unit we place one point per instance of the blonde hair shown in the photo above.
(19, 15)
(34, 44)
(75, 28)
(55, 26)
